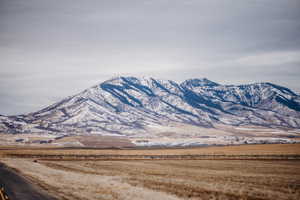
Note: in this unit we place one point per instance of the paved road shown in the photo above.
(18, 188)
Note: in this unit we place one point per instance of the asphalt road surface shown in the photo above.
(18, 188)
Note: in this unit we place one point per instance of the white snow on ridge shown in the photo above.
(138, 107)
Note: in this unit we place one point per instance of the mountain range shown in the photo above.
(131, 106)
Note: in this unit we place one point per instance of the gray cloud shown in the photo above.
(52, 49)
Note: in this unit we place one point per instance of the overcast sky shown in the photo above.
(50, 49)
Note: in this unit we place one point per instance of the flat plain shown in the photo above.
(225, 172)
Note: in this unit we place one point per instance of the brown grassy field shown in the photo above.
(118, 179)
(259, 149)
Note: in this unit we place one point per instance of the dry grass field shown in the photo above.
(257, 177)
(259, 149)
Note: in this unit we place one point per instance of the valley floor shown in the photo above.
(136, 178)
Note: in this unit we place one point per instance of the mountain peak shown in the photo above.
(199, 82)
(118, 79)
(143, 81)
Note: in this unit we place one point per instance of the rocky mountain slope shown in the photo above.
(130, 106)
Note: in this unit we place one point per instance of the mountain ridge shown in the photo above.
(129, 105)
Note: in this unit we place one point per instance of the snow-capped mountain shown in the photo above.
(130, 106)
